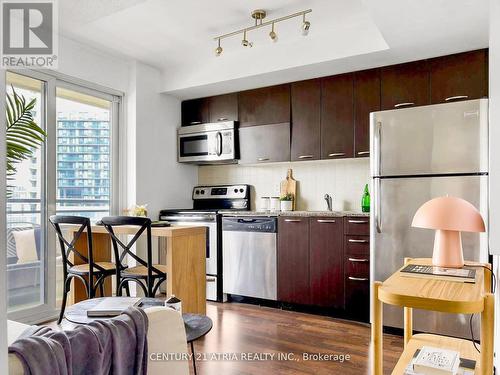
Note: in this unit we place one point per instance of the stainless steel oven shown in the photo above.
(209, 220)
(208, 143)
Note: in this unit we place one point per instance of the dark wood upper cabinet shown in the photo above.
(293, 260)
(195, 111)
(264, 106)
(459, 77)
(223, 107)
(405, 85)
(337, 116)
(326, 262)
(265, 143)
(306, 105)
(366, 100)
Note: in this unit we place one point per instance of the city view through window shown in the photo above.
(83, 154)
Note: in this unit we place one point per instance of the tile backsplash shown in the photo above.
(343, 179)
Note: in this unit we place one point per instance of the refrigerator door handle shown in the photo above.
(377, 206)
(378, 149)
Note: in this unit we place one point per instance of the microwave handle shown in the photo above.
(219, 143)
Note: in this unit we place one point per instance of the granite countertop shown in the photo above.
(297, 213)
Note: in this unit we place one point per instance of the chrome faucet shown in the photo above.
(328, 200)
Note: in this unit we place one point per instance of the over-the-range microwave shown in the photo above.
(213, 143)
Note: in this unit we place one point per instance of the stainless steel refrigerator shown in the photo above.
(419, 154)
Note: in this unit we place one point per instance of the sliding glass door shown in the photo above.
(83, 157)
(71, 173)
(26, 208)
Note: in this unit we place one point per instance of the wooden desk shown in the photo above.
(185, 257)
(435, 295)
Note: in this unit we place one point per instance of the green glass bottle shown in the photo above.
(365, 200)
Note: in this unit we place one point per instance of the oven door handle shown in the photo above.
(174, 219)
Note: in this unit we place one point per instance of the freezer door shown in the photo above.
(395, 202)
(436, 139)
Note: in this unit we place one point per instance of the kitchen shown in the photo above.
(320, 129)
(328, 158)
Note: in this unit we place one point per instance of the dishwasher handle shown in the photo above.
(249, 224)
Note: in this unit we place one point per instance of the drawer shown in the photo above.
(357, 267)
(357, 245)
(357, 225)
(357, 300)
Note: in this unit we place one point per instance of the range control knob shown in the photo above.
(197, 192)
(235, 190)
(241, 190)
(202, 192)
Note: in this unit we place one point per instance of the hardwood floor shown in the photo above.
(241, 328)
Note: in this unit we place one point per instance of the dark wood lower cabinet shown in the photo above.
(320, 264)
(357, 268)
(357, 298)
(293, 260)
(325, 260)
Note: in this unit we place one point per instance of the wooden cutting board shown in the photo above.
(289, 186)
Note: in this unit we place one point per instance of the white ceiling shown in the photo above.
(176, 37)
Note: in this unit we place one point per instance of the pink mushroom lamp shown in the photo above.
(448, 216)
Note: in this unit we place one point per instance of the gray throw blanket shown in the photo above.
(115, 346)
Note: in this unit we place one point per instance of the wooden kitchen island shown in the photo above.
(182, 250)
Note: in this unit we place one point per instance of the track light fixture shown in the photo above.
(306, 25)
(273, 35)
(259, 15)
(218, 50)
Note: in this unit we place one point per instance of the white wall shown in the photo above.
(494, 94)
(161, 182)
(343, 179)
(86, 63)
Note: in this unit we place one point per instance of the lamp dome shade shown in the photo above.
(449, 213)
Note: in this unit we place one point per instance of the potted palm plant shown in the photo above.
(23, 135)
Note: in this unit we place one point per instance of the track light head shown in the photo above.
(245, 42)
(218, 50)
(306, 25)
(273, 35)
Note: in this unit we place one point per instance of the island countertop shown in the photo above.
(181, 248)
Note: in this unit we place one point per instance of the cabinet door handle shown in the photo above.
(458, 97)
(306, 156)
(195, 123)
(363, 152)
(334, 154)
(262, 159)
(406, 104)
(357, 241)
(357, 222)
(359, 260)
(293, 220)
(325, 221)
(211, 279)
(222, 119)
(358, 278)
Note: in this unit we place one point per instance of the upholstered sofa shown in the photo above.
(166, 334)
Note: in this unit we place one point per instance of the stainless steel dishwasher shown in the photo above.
(249, 256)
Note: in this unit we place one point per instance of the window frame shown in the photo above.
(47, 309)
